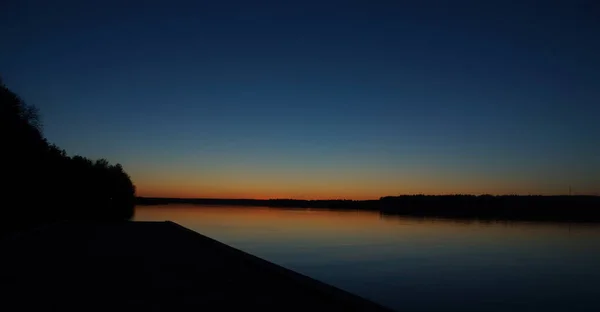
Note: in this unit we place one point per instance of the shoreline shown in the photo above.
(559, 208)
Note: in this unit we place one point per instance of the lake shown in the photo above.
(415, 264)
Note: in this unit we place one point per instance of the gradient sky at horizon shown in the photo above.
(317, 99)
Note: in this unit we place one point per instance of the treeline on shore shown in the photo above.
(504, 207)
(485, 207)
(43, 184)
(292, 203)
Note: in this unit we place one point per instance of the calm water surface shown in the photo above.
(413, 264)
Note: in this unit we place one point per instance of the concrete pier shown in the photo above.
(151, 266)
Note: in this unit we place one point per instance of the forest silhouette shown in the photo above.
(42, 184)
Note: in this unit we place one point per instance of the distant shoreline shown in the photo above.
(560, 208)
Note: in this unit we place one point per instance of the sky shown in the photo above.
(317, 99)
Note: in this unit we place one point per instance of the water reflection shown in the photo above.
(415, 264)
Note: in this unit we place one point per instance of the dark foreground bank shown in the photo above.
(151, 266)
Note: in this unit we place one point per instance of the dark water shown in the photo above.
(415, 264)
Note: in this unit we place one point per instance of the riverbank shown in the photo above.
(484, 207)
(151, 266)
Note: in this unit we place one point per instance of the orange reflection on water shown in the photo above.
(359, 227)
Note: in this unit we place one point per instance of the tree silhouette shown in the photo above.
(43, 184)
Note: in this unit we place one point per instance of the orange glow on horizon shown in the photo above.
(238, 194)
(242, 195)
(331, 185)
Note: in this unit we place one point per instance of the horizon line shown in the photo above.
(373, 199)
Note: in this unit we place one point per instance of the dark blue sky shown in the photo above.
(317, 99)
